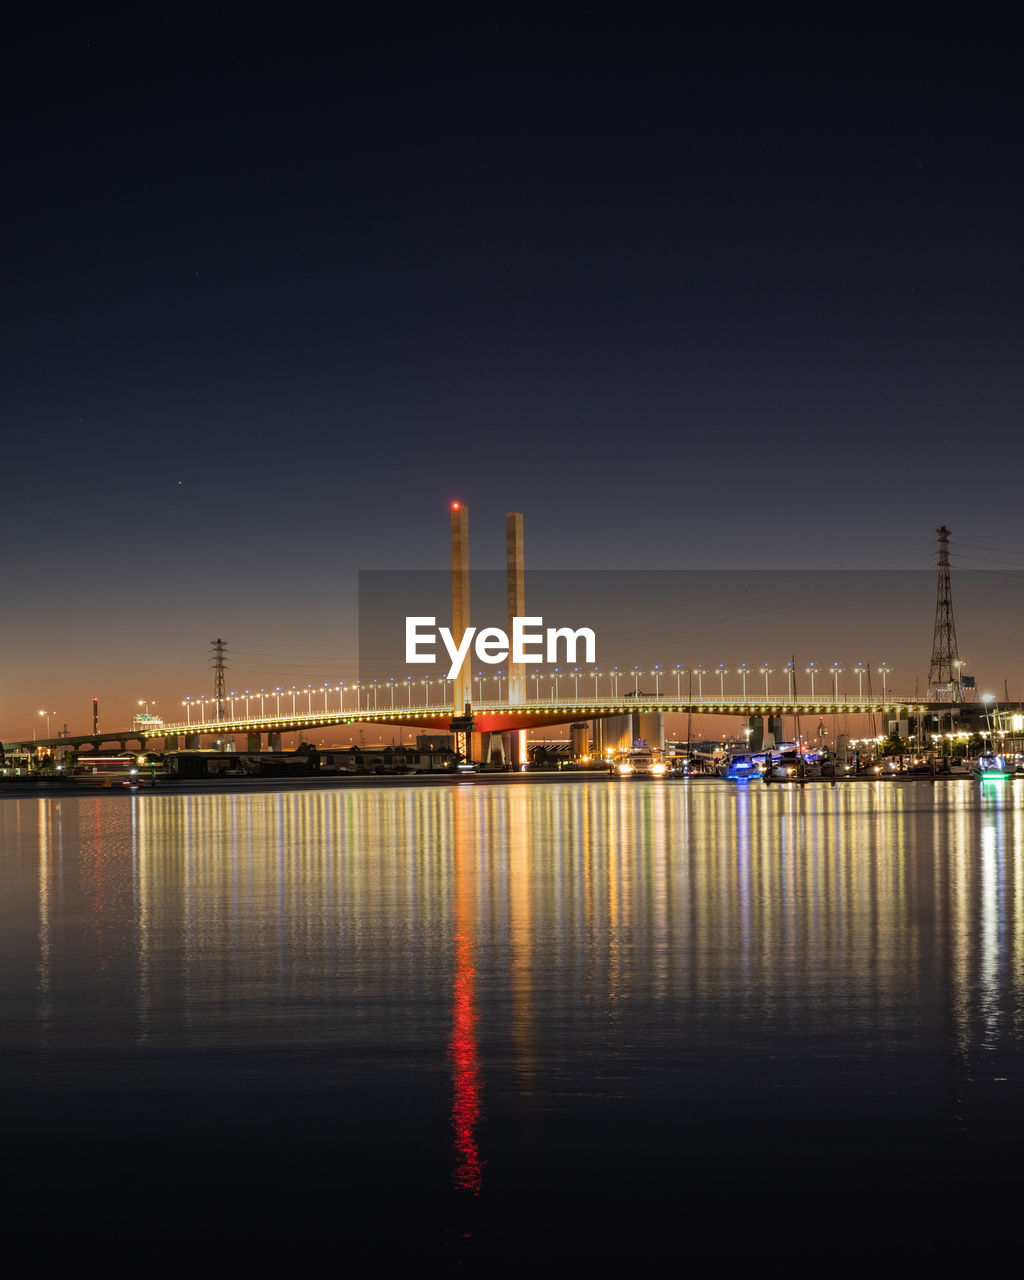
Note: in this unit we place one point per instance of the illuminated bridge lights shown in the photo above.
(551, 710)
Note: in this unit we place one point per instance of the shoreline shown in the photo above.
(49, 789)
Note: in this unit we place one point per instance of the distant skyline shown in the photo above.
(688, 296)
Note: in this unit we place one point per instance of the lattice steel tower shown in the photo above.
(943, 674)
(220, 648)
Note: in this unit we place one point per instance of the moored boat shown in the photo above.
(992, 767)
(639, 762)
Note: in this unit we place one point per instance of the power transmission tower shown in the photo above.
(943, 673)
(220, 648)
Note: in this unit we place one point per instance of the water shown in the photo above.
(514, 1025)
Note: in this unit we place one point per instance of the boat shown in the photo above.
(789, 764)
(639, 762)
(741, 766)
(782, 763)
(992, 767)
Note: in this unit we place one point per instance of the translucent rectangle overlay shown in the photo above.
(851, 630)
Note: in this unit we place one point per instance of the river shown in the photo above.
(514, 1025)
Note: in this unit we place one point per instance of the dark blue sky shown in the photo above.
(278, 287)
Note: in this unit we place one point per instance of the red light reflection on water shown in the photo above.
(466, 1086)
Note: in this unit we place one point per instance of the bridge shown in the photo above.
(502, 716)
(516, 714)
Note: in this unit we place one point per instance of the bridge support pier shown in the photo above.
(515, 748)
(252, 742)
(765, 731)
(649, 726)
(171, 742)
(274, 741)
(616, 733)
(579, 733)
(191, 741)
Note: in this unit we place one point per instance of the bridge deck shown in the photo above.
(502, 716)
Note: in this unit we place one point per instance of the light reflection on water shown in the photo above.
(550, 951)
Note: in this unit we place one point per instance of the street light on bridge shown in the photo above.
(837, 671)
(883, 671)
(766, 671)
(679, 679)
(656, 673)
(810, 671)
(698, 671)
(743, 674)
(859, 668)
(47, 714)
(722, 673)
